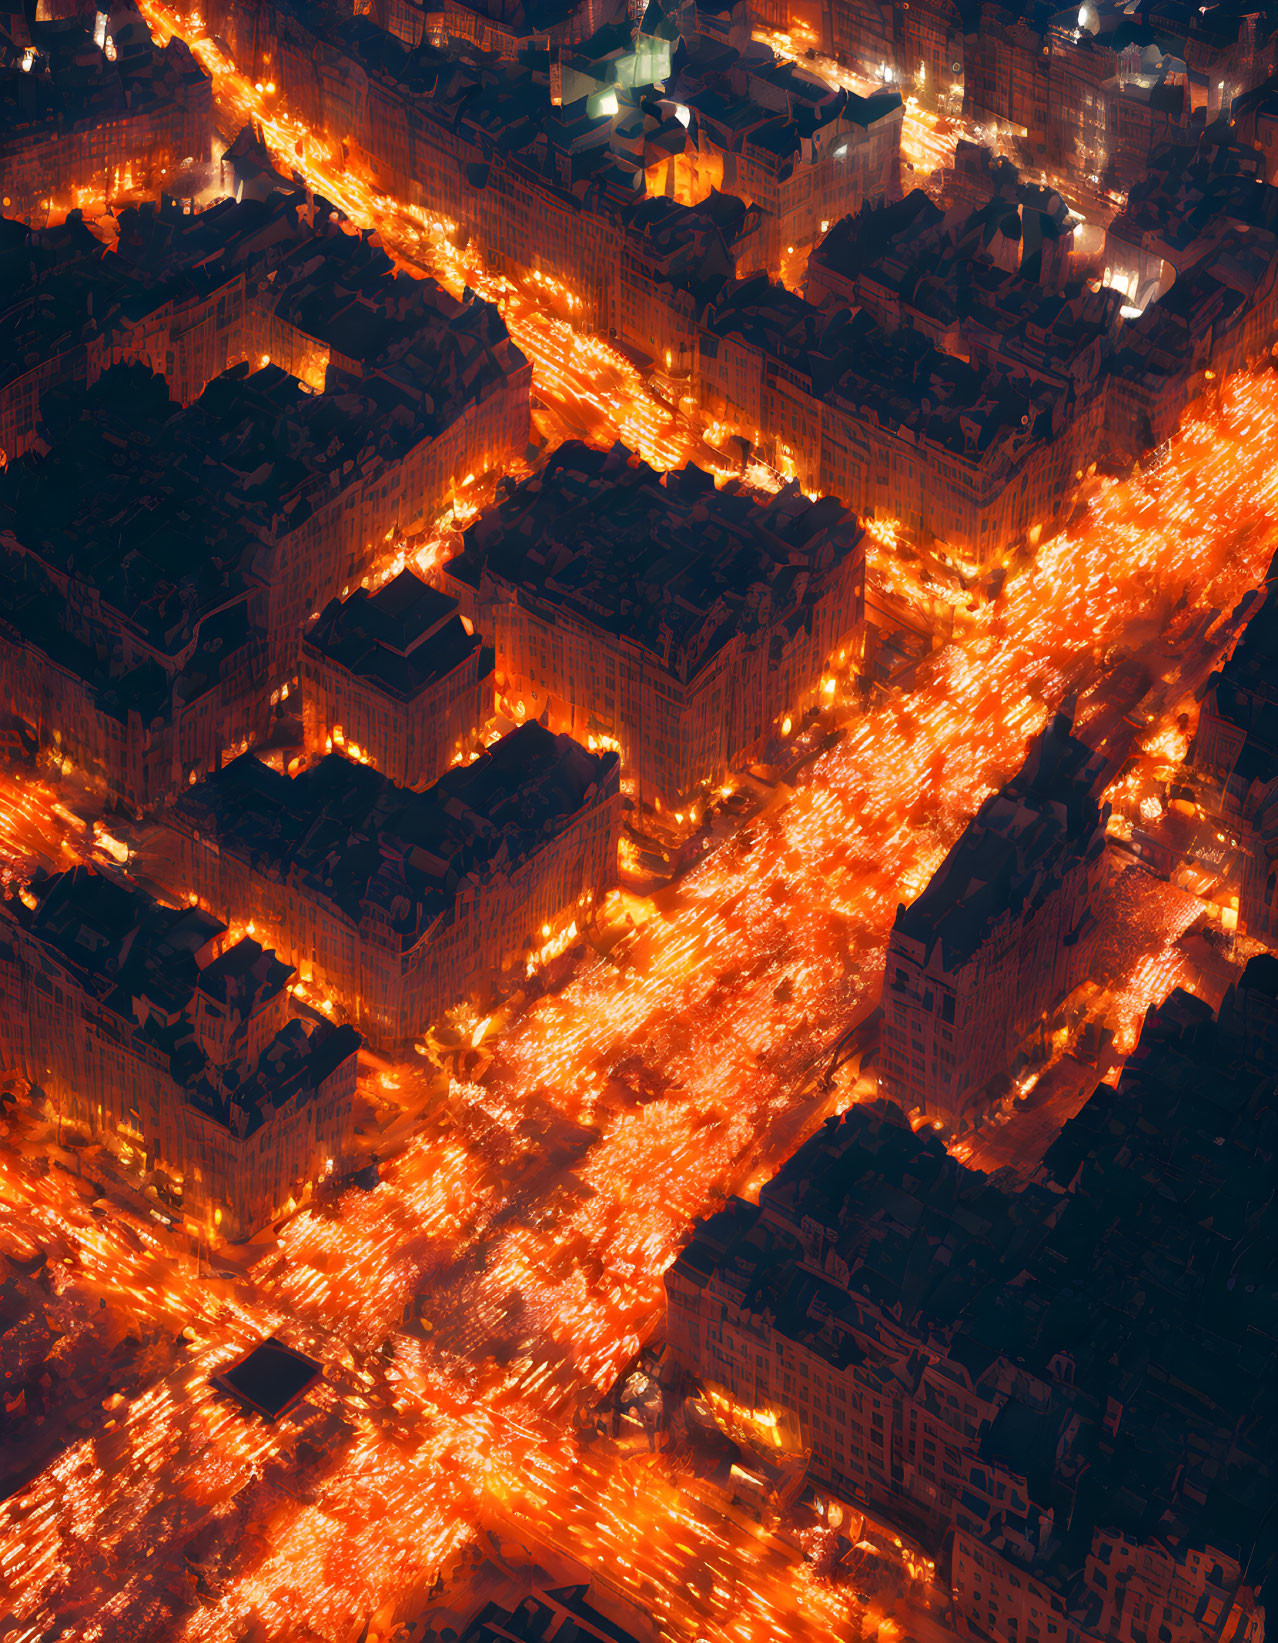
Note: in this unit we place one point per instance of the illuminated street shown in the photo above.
(472, 1307)
(569, 1277)
(591, 389)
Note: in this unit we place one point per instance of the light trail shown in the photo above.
(681, 1061)
(1150, 975)
(1139, 960)
(592, 389)
(36, 828)
(804, 897)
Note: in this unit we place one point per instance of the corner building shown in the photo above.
(276, 278)
(967, 455)
(130, 642)
(399, 904)
(100, 108)
(678, 622)
(1047, 1387)
(399, 678)
(143, 1024)
(1000, 937)
(781, 138)
(158, 562)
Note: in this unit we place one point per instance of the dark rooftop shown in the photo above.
(53, 77)
(402, 638)
(1022, 837)
(668, 561)
(352, 837)
(145, 963)
(271, 1379)
(897, 378)
(1143, 1258)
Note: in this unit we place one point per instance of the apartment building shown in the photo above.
(682, 623)
(398, 679)
(401, 905)
(782, 139)
(95, 107)
(580, 144)
(976, 460)
(999, 938)
(148, 1027)
(237, 518)
(1036, 1384)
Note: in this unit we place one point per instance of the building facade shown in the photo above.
(676, 260)
(1085, 1449)
(1196, 249)
(146, 665)
(398, 678)
(1081, 90)
(401, 905)
(106, 116)
(979, 460)
(557, 194)
(145, 1026)
(682, 623)
(783, 140)
(999, 938)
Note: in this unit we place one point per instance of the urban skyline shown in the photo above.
(637, 821)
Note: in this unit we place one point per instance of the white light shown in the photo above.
(28, 59)
(683, 115)
(608, 103)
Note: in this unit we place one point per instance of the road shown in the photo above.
(537, 1276)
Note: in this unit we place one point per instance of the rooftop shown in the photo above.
(402, 639)
(692, 247)
(55, 77)
(34, 606)
(865, 238)
(561, 1613)
(1141, 1261)
(348, 835)
(898, 379)
(433, 350)
(119, 502)
(163, 510)
(244, 978)
(1022, 839)
(668, 562)
(72, 303)
(407, 345)
(1188, 194)
(271, 1379)
(987, 270)
(750, 99)
(145, 963)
